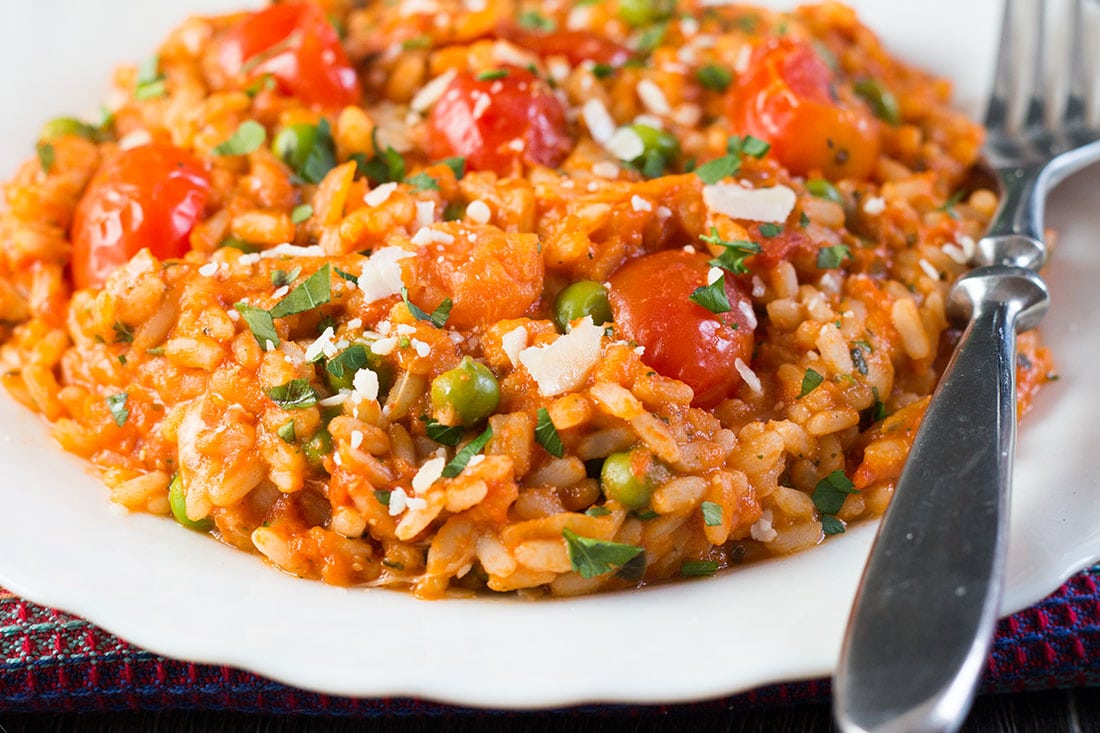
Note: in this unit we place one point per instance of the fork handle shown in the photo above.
(923, 619)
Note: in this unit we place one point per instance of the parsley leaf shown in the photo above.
(712, 514)
(440, 433)
(437, 318)
(123, 333)
(811, 380)
(314, 291)
(423, 182)
(591, 557)
(239, 244)
(735, 252)
(348, 361)
(280, 278)
(535, 21)
(248, 136)
(297, 394)
(492, 74)
(547, 435)
(46, 156)
(346, 275)
(602, 71)
(651, 38)
(712, 297)
(301, 213)
(829, 258)
(468, 451)
(712, 76)
(751, 146)
(383, 496)
(150, 82)
(286, 432)
(386, 165)
(830, 492)
(321, 157)
(715, 170)
(831, 525)
(949, 205)
(597, 511)
(260, 323)
(116, 403)
(770, 230)
(456, 164)
(698, 568)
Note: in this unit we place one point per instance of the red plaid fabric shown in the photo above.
(53, 662)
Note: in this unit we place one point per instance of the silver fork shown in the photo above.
(924, 615)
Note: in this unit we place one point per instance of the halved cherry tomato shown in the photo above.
(785, 98)
(577, 46)
(499, 120)
(683, 340)
(149, 196)
(295, 44)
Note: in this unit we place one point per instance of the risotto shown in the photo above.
(536, 297)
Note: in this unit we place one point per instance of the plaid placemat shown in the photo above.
(53, 662)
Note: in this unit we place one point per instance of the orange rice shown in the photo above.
(184, 373)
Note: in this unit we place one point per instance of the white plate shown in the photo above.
(183, 595)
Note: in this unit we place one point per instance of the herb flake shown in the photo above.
(830, 492)
(811, 380)
(712, 297)
(116, 403)
(698, 568)
(248, 136)
(297, 394)
(471, 449)
(829, 258)
(444, 434)
(302, 212)
(315, 290)
(547, 435)
(437, 318)
(591, 557)
(714, 77)
(712, 514)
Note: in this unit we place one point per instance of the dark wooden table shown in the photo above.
(1071, 711)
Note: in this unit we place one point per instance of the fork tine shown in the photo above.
(1078, 93)
(1033, 87)
(1018, 71)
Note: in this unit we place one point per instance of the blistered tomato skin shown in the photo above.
(650, 300)
(498, 121)
(785, 98)
(149, 196)
(296, 45)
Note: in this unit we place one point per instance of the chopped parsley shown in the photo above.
(698, 568)
(301, 213)
(547, 435)
(651, 38)
(602, 71)
(950, 204)
(712, 514)
(315, 290)
(457, 164)
(423, 182)
(712, 297)
(282, 278)
(831, 525)
(830, 492)
(239, 245)
(811, 380)
(597, 511)
(467, 452)
(124, 334)
(264, 84)
(286, 432)
(46, 156)
(535, 21)
(736, 148)
(714, 77)
(321, 157)
(591, 557)
(829, 258)
(734, 254)
(150, 82)
(437, 318)
(348, 361)
(116, 403)
(383, 496)
(387, 164)
(346, 275)
(492, 74)
(297, 394)
(260, 323)
(446, 434)
(248, 136)
(770, 230)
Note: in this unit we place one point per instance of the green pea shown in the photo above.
(584, 298)
(317, 447)
(824, 190)
(63, 126)
(620, 480)
(177, 501)
(882, 102)
(638, 13)
(656, 140)
(293, 144)
(466, 394)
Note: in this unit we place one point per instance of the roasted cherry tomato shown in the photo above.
(785, 98)
(499, 119)
(650, 300)
(577, 46)
(294, 44)
(148, 196)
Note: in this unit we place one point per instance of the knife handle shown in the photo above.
(924, 616)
